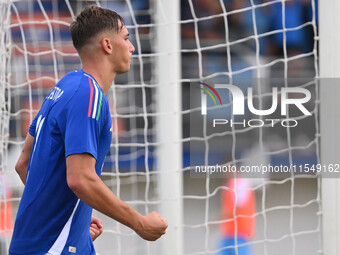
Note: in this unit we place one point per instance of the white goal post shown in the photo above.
(329, 35)
(169, 127)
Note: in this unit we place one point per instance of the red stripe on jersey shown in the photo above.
(91, 97)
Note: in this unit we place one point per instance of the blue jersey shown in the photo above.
(73, 119)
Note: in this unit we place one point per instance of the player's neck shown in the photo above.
(103, 76)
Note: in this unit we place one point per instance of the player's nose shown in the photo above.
(131, 48)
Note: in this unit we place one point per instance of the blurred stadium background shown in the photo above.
(178, 43)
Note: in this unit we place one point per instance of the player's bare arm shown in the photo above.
(22, 163)
(86, 184)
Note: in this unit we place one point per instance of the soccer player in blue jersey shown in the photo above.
(65, 149)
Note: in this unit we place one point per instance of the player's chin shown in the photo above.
(124, 69)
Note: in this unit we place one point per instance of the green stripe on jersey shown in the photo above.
(100, 104)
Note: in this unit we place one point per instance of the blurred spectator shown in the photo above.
(207, 29)
(6, 219)
(238, 211)
(247, 25)
(295, 40)
(309, 13)
(241, 25)
(142, 11)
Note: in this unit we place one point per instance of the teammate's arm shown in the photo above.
(22, 164)
(86, 184)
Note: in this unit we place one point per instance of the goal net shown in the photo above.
(179, 144)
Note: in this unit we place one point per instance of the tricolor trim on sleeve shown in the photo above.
(95, 102)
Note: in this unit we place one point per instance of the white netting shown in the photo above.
(222, 41)
(280, 230)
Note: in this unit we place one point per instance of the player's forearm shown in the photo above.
(21, 167)
(23, 161)
(92, 191)
(22, 172)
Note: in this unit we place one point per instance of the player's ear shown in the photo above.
(106, 45)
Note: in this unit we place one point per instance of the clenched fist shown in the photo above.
(152, 226)
(96, 228)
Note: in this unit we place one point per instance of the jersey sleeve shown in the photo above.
(82, 120)
(33, 125)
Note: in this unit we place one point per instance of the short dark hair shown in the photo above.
(91, 21)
